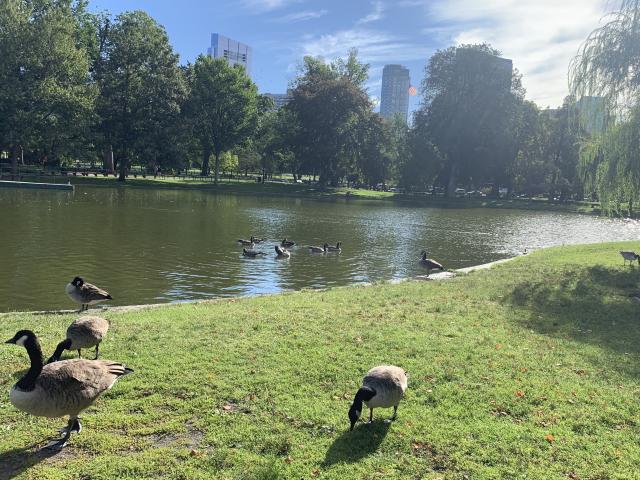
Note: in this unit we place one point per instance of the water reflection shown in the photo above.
(149, 246)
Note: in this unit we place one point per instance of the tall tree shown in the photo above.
(45, 98)
(141, 88)
(222, 108)
(608, 66)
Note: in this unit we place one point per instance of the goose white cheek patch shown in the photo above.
(21, 340)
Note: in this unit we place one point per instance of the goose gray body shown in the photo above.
(85, 332)
(314, 249)
(251, 253)
(429, 263)
(282, 252)
(67, 387)
(86, 293)
(287, 243)
(382, 387)
(389, 383)
(337, 248)
(629, 257)
(61, 388)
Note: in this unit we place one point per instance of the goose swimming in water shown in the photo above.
(85, 293)
(251, 253)
(287, 243)
(313, 249)
(85, 332)
(282, 252)
(430, 264)
(337, 248)
(61, 388)
(382, 387)
(246, 243)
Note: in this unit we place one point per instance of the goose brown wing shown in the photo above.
(93, 327)
(90, 292)
(80, 381)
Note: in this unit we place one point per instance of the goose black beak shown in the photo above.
(11, 341)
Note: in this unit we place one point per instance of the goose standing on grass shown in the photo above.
(287, 243)
(337, 248)
(382, 387)
(629, 257)
(251, 253)
(246, 243)
(85, 293)
(61, 388)
(430, 264)
(313, 249)
(282, 252)
(85, 332)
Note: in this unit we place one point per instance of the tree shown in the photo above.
(329, 105)
(141, 89)
(222, 108)
(608, 66)
(470, 98)
(45, 98)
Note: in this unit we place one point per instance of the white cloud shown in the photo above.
(260, 6)
(373, 46)
(302, 16)
(375, 15)
(540, 37)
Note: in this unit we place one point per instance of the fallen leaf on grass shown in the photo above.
(498, 346)
(288, 460)
(315, 473)
(549, 438)
(520, 393)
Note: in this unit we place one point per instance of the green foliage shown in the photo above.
(222, 108)
(141, 89)
(608, 66)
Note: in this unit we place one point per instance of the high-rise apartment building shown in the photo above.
(279, 99)
(395, 91)
(235, 52)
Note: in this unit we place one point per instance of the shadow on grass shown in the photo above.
(15, 462)
(593, 305)
(354, 445)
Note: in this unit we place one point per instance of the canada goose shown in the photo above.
(429, 264)
(287, 243)
(251, 253)
(61, 388)
(318, 249)
(257, 240)
(246, 243)
(337, 248)
(382, 387)
(85, 332)
(282, 252)
(85, 293)
(629, 257)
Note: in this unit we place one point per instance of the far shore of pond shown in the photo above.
(244, 186)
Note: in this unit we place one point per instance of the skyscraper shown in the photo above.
(235, 52)
(395, 91)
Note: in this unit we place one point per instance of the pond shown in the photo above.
(152, 246)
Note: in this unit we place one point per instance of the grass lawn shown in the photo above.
(530, 370)
(248, 186)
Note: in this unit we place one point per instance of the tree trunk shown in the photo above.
(217, 168)
(451, 184)
(107, 161)
(205, 161)
(14, 159)
(123, 170)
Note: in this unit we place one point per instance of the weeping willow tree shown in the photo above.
(608, 67)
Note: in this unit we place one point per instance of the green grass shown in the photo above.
(529, 370)
(248, 186)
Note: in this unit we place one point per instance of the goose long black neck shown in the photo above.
(62, 346)
(362, 395)
(28, 382)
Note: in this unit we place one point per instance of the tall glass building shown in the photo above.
(235, 52)
(395, 91)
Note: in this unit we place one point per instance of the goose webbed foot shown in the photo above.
(74, 426)
(370, 416)
(395, 414)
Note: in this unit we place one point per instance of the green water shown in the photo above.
(150, 246)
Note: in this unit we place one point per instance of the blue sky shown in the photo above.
(540, 36)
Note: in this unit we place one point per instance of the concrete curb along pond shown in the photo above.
(440, 276)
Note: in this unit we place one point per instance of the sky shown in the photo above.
(540, 36)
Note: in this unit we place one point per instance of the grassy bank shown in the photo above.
(251, 187)
(530, 370)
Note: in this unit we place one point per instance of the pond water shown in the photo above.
(151, 246)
